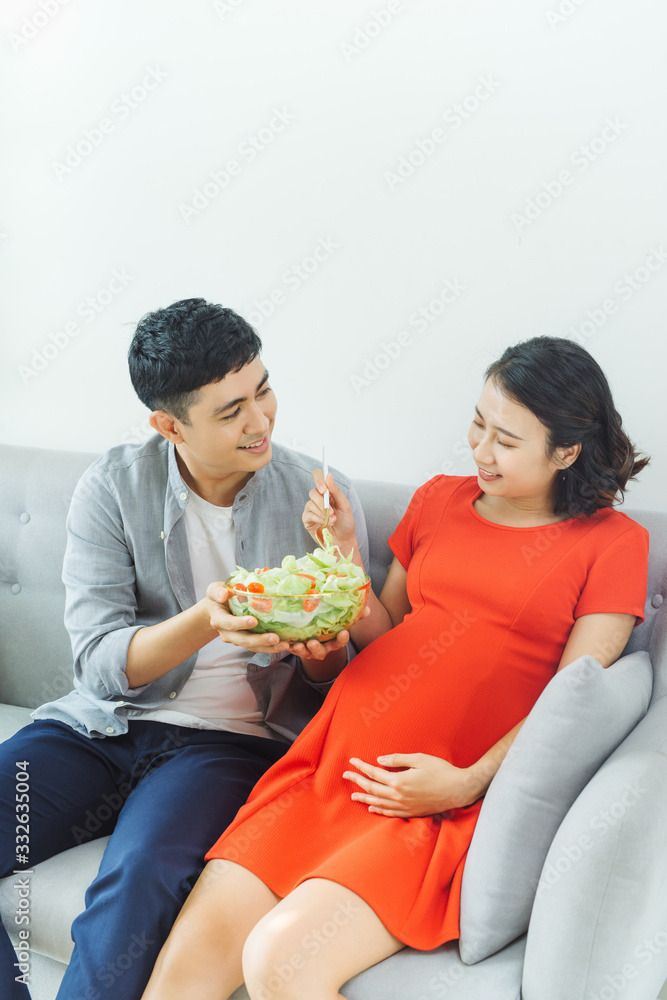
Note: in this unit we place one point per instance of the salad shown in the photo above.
(314, 597)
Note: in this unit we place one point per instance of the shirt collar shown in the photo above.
(181, 491)
(177, 485)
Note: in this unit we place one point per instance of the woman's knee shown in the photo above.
(268, 968)
(274, 959)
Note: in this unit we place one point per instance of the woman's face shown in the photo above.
(509, 446)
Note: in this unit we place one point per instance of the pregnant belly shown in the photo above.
(426, 687)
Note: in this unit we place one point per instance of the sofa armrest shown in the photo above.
(599, 923)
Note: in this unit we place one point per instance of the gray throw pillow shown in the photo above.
(579, 719)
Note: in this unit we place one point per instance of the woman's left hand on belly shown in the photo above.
(427, 786)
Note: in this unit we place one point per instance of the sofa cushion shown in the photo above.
(57, 890)
(418, 975)
(579, 719)
(12, 718)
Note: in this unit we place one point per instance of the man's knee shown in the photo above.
(146, 877)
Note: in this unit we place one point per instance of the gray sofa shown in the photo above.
(576, 947)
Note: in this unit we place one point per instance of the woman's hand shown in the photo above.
(322, 661)
(428, 786)
(312, 649)
(341, 518)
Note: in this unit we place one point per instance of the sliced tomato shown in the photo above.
(311, 603)
(260, 603)
(256, 588)
(235, 588)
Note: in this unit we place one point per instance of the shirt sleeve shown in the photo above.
(100, 583)
(404, 539)
(617, 580)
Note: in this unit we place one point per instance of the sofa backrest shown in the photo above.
(652, 633)
(384, 505)
(35, 652)
(37, 486)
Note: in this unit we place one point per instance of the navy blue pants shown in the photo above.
(165, 793)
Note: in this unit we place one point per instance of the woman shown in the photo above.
(352, 846)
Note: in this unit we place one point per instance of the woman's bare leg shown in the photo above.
(201, 958)
(312, 942)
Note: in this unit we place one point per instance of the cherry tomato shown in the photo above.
(260, 603)
(256, 588)
(311, 604)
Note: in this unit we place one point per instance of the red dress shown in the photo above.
(492, 608)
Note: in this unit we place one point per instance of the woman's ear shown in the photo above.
(567, 456)
(164, 424)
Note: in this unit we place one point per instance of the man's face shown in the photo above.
(230, 416)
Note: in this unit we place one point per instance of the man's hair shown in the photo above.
(177, 350)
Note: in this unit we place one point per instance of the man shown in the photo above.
(168, 728)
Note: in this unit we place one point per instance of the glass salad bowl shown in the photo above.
(314, 597)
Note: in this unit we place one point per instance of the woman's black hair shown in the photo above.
(177, 350)
(563, 385)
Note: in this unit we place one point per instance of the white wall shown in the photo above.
(545, 87)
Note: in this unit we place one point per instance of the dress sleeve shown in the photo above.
(617, 580)
(403, 541)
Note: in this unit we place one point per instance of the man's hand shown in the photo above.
(427, 786)
(232, 628)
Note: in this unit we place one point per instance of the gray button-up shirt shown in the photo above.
(127, 565)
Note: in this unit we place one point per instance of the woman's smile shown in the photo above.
(487, 476)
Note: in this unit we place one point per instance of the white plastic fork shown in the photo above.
(325, 470)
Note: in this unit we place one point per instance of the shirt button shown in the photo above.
(24, 518)
(173, 694)
(16, 588)
(657, 600)
(183, 496)
(110, 729)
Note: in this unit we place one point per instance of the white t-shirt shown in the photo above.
(217, 694)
